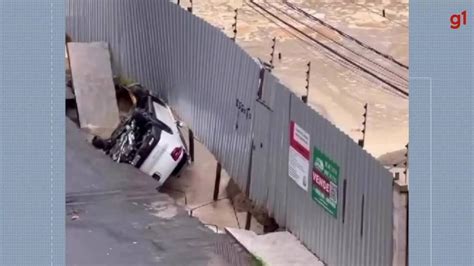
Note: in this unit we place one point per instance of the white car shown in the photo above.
(149, 139)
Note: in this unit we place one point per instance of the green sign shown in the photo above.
(325, 180)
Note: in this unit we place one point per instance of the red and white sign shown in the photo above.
(322, 182)
(299, 154)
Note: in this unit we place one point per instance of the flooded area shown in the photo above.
(357, 56)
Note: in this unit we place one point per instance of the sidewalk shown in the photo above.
(278, 248)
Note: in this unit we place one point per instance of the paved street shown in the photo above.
(115, 216)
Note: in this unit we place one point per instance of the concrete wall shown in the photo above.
(400, 227)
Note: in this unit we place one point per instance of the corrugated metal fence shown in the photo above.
(214, 86)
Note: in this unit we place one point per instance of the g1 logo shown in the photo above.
(456, 22)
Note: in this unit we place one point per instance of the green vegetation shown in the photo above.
(257, 261)
(125, 81)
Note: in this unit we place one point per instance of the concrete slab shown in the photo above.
(93, 87)
(279, 248)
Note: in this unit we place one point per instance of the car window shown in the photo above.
(161, 125)
(158, 100)
(163, 114)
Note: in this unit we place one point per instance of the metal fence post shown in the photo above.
(191, 144)
(405, 172)
(234, 26)
(408, 226)
(218, 181)
(248, 219)
(308, 75)
(364, 127)
(272, 54)
(260, 85)
(190, 9)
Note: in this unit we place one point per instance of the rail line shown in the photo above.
(310, 16)
(378, 13)
(401, 76)
(395, 81)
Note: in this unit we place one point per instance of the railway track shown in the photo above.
(310, 16)
(337, 45)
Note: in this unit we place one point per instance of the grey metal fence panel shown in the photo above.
(259, 183)
(271, 148)
(364, 237)
(268, 90)
(261, 172)
(336, 241)
(195, 67)
(212, 85)
(278, 159)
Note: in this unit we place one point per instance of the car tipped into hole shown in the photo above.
(148, 139)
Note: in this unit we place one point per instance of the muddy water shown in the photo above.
(336, 91)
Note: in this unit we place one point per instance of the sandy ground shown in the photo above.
(336, 91)
(194, 190)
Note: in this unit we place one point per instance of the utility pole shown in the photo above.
(308, 75)
(364, 127)
(408, 202)
(273, 53)
(234, 26)
(406, 162)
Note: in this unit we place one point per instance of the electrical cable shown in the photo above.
(343, 57)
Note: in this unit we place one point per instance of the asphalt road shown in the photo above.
(115, 216)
